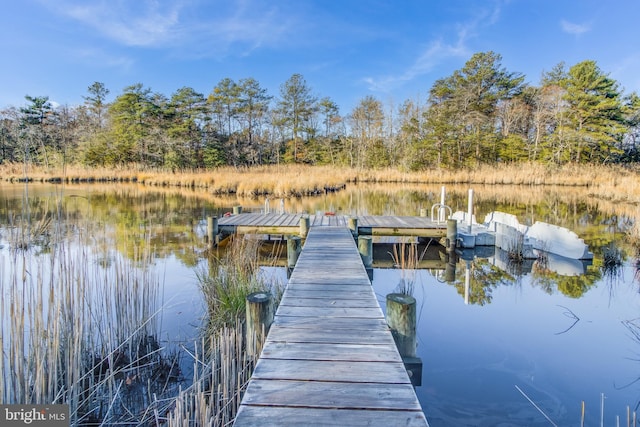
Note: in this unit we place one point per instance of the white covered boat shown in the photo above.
(509, 234)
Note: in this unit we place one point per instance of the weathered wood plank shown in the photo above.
(325, 291)
(331, 395)
(324, 312)
(303, 350)
(263, 229)
(417, 232)
(326, 417)
(318, 370)
(356, 324)
(321, 334)
(341, 302)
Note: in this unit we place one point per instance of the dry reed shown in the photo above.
(75, 332)
(614, 183)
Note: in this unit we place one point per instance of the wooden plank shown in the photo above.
(331, 395)
(266, 229)
(326, 417)
(318, 370)
(303, 291)
(323, 312)
(342, 302)
(346, 352)
(319, 333)
(434, 233)
(356, 324)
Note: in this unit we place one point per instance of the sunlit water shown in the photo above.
(518, 351)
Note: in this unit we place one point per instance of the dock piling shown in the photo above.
(294, 247)
(304, 226)
(353, 226)
(401, 319)
(212, 231)
(365, 247)
(259, 313)
(452, 234)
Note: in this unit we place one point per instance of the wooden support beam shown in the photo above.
(434, 233)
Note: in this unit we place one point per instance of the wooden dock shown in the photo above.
(329, 358)
(289, 224)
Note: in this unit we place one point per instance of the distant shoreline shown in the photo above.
(612, 183)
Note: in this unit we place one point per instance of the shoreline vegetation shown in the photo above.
(611, 183)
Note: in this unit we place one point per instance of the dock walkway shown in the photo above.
(329, 358)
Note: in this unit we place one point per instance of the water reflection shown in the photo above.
(514, 329)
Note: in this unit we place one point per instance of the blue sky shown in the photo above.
(346, 50)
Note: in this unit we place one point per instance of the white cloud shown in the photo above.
(438, 51)
(139, 23)
(184, 26)
(575, 29)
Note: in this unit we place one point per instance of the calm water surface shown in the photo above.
(561, 339)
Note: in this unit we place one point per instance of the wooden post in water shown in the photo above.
(304, 226)
(294, 247)
(452, 234)
(401, 318)
(237, 210)
(212, 231)
(259, 314)
(353, 226)
(365, 247)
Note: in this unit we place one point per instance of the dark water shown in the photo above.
(513, 338)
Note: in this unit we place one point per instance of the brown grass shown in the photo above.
(604, 183)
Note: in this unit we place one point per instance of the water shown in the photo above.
(560, 339)
(474, 356)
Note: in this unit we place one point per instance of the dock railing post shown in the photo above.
(304, 226)
(212, 231)
(442, 211)
(470, 209)
(401, 319)
(259, 313)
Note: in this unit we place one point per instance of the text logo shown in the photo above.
(34, 415)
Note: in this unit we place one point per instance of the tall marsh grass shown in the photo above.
(228, 281)
(81, 325)
(77, 333)
(605, 182)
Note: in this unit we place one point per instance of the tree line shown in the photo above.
(480, 114)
